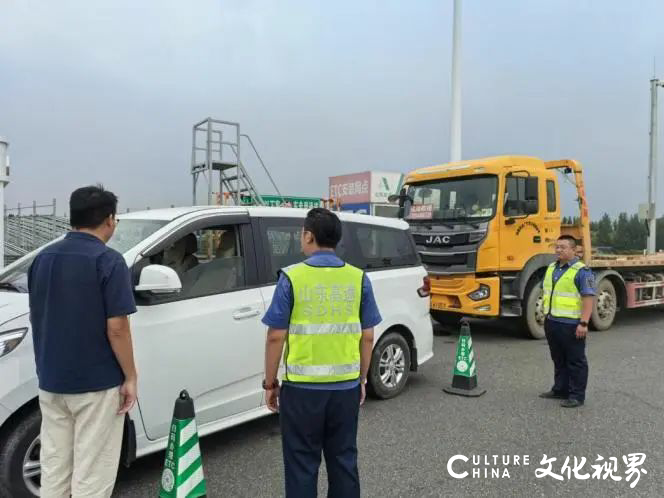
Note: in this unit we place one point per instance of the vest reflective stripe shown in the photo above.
(325, 328)
(562, 300)
(323, 343)
(323, 370)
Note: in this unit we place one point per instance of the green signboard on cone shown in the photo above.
(465, 358)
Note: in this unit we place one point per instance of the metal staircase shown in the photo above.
(216, 147)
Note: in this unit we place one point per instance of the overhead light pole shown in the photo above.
(652, 168)
(455, 110)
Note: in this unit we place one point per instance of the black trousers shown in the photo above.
(315, 421)
(569, 359)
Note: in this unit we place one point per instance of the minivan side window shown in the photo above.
(208, 261)
(281, 241)
(381, 247)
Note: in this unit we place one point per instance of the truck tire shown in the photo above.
(390, 366)
(605, 307)
(18, 448)
(533, 317)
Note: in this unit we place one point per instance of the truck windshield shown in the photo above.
(128, 233)
(462, 198)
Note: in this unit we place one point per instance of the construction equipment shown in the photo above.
(486, 229)
(216, 147)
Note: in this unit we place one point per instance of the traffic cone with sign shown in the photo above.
(464, 382)
(183, 467)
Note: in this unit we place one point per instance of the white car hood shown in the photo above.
(13, 305)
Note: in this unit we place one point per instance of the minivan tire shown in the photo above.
(13, 449)
(390, 366)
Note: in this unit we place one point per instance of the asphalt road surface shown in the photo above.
(405, 443)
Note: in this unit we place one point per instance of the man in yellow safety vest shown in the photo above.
(323, 310)
(567, 300)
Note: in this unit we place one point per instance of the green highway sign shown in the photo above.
(286, 201)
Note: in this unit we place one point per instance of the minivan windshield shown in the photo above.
(128, 233)
(465, 198)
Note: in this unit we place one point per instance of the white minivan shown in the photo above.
(203, 278)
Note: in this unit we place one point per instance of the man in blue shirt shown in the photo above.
(568, 301)
(80, 299)
(319, 415)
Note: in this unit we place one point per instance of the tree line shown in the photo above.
(625, 233)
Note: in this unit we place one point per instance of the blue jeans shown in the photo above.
(569, 359)
(315, 421)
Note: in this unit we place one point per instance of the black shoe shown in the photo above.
(553, 395)
(571, 403)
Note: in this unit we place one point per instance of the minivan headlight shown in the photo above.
(9, 339)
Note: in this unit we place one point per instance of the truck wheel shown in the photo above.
(390, 366)
(533, 317)
(605, 307)
(20, 471)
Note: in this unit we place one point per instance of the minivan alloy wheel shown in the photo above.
(32, 467)
(392, 366)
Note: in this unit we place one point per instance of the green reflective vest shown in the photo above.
(562, 300)
(323, 343)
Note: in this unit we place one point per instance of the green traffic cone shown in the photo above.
(464, 381)
(183, 467)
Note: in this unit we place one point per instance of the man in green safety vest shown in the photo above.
(567, 302)
(323, 311)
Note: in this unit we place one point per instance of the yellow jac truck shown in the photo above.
(485, 230)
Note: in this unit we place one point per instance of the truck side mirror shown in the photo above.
(401, 197)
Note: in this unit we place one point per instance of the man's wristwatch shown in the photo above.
(583, 324)
(274, 385)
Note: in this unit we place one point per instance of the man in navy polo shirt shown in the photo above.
(80, 299)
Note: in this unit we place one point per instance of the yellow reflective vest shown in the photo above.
(323, 343)
(562, 300)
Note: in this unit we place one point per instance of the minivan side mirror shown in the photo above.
(159, 279)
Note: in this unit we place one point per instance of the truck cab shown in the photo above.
(485, 230)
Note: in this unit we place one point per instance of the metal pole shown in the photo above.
(33, 242)
(652, 169)
(208, 160)
(455, 114)
(20, 228)
(193, 164)
(221, 172)
(53, 221)
(4, 180)
(240, 171)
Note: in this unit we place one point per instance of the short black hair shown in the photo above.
(571, 239)
(90, 206)
(325, 227)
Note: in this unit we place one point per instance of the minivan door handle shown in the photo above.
(244, 313)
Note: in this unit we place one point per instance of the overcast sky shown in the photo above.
(107, 91)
